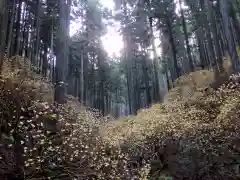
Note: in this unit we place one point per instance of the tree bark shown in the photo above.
(235, 23)
(155, 64)
(190, 59)
(128, 62)
(61, 54)
(213, 27)
(228, 34)
(10, 29)
(3, 29)
(82, 78)
(37, 26)
(177, 72)
(18, 29)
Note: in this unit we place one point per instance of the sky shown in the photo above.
(112, 41)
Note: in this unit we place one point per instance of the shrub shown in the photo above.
(195, 139)
(35, 145)
(191, 85)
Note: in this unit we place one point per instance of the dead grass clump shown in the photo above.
(190, 86)
(197, 139)
(17, 70)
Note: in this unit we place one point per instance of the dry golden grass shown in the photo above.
(17, 69)
(194, 139)
(191, 85)
(34, 145)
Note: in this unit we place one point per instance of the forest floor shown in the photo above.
(185, 138)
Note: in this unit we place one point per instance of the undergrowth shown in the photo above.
(197, 139)
(194, 139)
(34, 145)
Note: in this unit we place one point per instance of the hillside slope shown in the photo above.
(34, 145)
(191, 85)
(196, 138)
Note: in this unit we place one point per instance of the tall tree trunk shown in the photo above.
(146, 81)
(167, 78)
(45, 59)
(10, 29)
(235, 22)
(82, 78)
(177, 72)
(18, 29)
(25, 31)
(206, 28)
(37, 26)
(155, 64)
(128, 61)
(208, 57)
(203, 58)
(227, 30)
(3, 29)
(76, 77)
(216, 35)
(190, 59)
(86, 78)
(68, 10)
(22, 31)
(61, 54)
(52, 62)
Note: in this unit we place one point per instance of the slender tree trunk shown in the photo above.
(76, 77)
(45, 59)
(177, 72)
(146, 82)
(203, 59)
(208, 57)
(129, 88)
(22, 30)
(37, 26)
(155, 64)
(25, 32)
(3, 29)
(86, 77)
(227, 30)
(136, 86)
(167, 78)
(128, 62)
(93, 96)
(52, 71)
(213, 27)
(18, 29)
(10, 30)
(82, 78)
(217, 37)
(61, 54)
(190, 59)
(235, 22)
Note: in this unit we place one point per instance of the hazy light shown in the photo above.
(112, 41)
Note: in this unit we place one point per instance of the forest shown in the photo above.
(165, 107)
